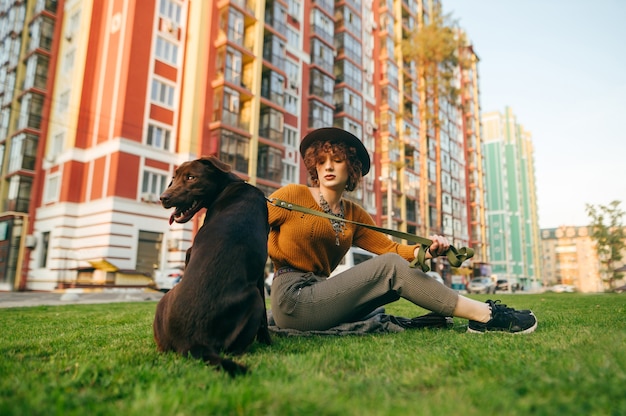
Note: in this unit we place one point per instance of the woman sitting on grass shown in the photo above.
(305, 249)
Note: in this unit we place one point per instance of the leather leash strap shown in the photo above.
(455, 257)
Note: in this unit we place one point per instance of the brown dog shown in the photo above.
(219, 305)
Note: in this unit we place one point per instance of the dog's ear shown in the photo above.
(216, 163)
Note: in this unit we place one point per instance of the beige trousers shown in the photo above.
(304, 301)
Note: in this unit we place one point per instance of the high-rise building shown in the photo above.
(514, 244)
(569, 257)
(135, 88)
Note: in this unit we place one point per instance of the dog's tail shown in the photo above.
(210, 357)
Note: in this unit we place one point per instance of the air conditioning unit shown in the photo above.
(30, 241)
(369, 129)
(149, 197)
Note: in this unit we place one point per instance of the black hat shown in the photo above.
(334, 135)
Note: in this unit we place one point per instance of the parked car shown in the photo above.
(353, 257)
(481, 285)
(502, 284)
(165, 280)
(561, 288)
(435, 276)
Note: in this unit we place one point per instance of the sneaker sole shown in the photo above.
(526, 331)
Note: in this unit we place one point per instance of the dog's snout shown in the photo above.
(165, 198)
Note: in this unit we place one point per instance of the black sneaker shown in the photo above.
(505, 319)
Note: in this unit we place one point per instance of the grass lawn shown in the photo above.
(102, 360)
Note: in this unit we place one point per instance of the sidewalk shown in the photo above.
(77, 297)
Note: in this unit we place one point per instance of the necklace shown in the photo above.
(338, 226)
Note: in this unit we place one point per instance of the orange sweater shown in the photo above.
(307, 242)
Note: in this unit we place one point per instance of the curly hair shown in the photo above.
(316, 153)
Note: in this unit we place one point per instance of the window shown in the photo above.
(45, 241)
(293, 37)
(347, 44)
(36, 72)
(291, 104)
(233, 70)
(51, 193)
(269, 164)
(272, 87)
(293, 8)
(23, 152)
(162, 93)
(64, 101)
(170, 9)
(322, 85)
(323, 25)
(322, 55)
(234, 150)
(19, 193)
(30, 111)
(68, 61)
(58, 143)
(271, 125)
(292, 70)
(230, 107)
(319, 115)
(235, 26)
(166, 51)
(153, 183)
(158, 137)
(291, 137)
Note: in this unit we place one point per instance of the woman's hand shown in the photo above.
(438, 248)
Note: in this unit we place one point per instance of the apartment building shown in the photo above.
(569, 257)
(136, 88)
(511, 199)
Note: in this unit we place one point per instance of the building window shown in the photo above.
(320, 115)
(162, 93)
(322, 85)
(152, 185)
(269, 164)
(272, 125)
(171, 9)
(272, 87)
(229, 63)
(236, 28)
(64, 101)
(349, 46)
(234, 150)
(166, 51)
(36, 72)
(30, 111)
(19, 193)
(45, 242)
(291, 137)
(23, 152)
(158, 137)
(322, 55)
(68, 61)
(291, 104)
(51, 193)
(293, 37)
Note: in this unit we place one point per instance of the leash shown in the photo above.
(455, 257)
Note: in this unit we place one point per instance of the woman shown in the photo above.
(306, 248)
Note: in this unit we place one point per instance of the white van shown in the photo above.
(353, 257)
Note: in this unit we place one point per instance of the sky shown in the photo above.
(560, 65)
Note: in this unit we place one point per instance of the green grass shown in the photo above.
(102, 360)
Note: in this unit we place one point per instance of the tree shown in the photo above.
(609, 233)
